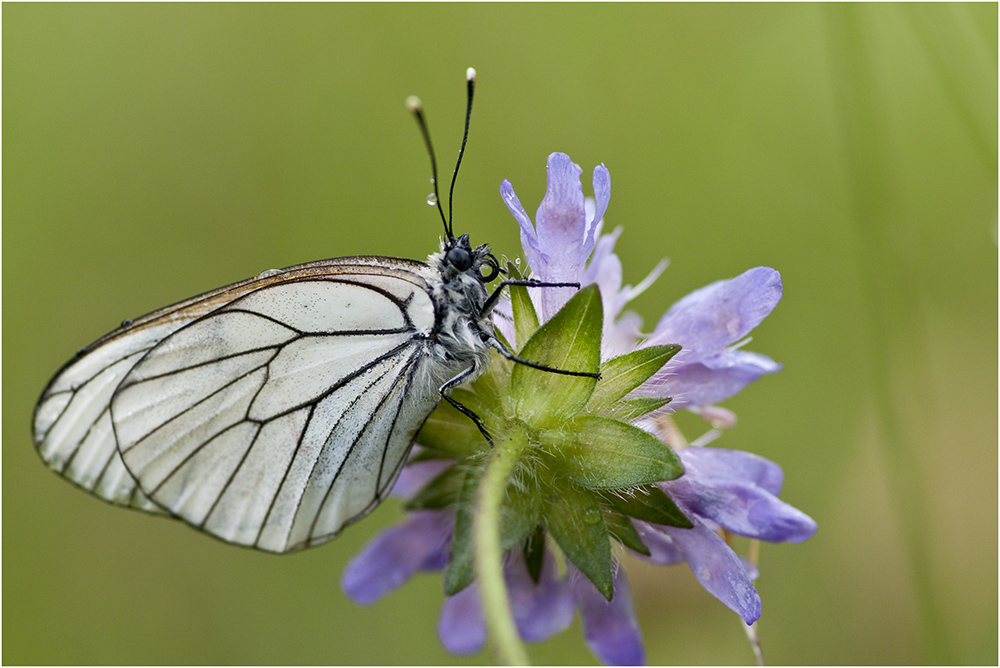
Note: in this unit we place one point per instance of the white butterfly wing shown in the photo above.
(272, 420)
(72, 421)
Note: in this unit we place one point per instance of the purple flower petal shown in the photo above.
(561, 228)
(461, 627)
(621, 336)
(604, 248)
(420, 542)
(609, 281)
(718, 569)
(415, 475)
(662, 549)
(503, 320)
(540, 610)
(719, 314)
(723, 463)
(720, 486)
(602, 195)
(561, 221)
(529, 241)
(744, 509)
(709, 380)
(605, 269)
(610, 627)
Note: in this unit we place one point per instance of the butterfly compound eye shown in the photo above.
(459, 258)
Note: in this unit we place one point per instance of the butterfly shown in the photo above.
(273, 412)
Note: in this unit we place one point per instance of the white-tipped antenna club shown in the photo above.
(470, 88)
(416, 107)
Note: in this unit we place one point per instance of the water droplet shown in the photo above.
(432, 199)
(517, 262)
(127, 322)
(267, 273)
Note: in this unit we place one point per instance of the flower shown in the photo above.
(581, 460)
(736, 491)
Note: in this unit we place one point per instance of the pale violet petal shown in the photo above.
(461, 627)
(604, 247)
(561, 223)
(395, 554)
(708, 463)
(662, 550)
(734, 490)
(743, 508)
(503, 320)
(720, 314)
(543, 609)
(529, 240)
(610, 628)
(621, 335)
(709, 381)
(718, 569)
(415, 475)
(602, 195)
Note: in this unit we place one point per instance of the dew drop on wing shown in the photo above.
(127, 322)
(267, 273)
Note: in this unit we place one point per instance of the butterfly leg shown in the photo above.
(502, 349)
(464, 410)
(526, 282)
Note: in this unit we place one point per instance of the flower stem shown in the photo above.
(486, 545)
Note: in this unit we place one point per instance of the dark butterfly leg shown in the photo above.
(467, 412)
(491, 301)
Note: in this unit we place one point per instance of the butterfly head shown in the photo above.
(459, 259)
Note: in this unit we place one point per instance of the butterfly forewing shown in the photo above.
(270, 413)
(72, 423)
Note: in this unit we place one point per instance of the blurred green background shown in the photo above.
(152, 152)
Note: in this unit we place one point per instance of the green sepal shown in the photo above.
(621, 529)
(607, 453)
(622, 374)
(571, 341)
(441, 492)
(534, 552)
(525, 317)
(574, 518)
(627, 410)
(520, 513)
(648, 503)
(449, 431)
(460, 571)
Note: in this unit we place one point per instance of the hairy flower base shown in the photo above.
(590, 462)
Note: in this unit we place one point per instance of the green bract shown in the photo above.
(582, 469)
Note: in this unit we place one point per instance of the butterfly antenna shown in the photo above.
(470, 77)
(414, 104)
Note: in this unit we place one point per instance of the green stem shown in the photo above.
(486, 546)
